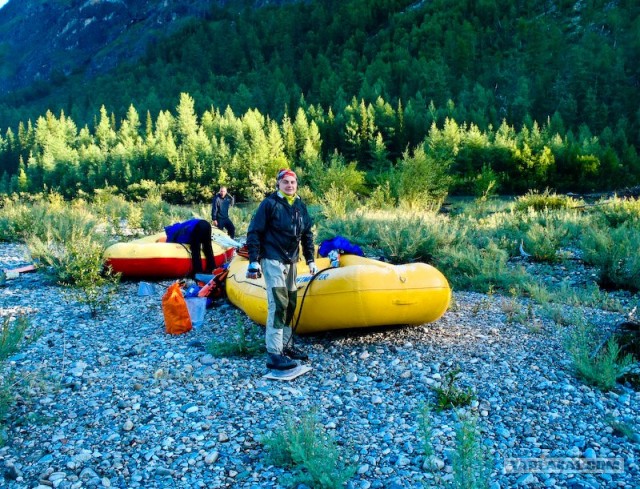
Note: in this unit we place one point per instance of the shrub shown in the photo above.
(598, 366)
(359, 227)
(471, 268)
(76, 261)
(155, 214)
(543, 242)
(380, 198)
(545, 201)
(616, 212)
(423, 179)
(142, 190)
(414, 237)
(614, 253)
(304, 445)
(338, 203)
(15, 219)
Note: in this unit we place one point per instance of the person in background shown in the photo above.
(277, 228)
(197, 234)
(220, 211)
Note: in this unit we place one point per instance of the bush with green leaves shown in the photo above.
(15, 219)
(338, 203)
(615, 212)
(343, 178)
(399, 237)
(313, 456)
(380, 198)
(415, 237)
(485, 185)
(76, 260)
(423, 179)
(543, 242)
(589, 295)
(470, 268)
(614, 252)
(598, 363)
(545, 201)
(359, 227)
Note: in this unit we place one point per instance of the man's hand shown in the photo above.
(215, 223)
(254, 272)
(313, 268)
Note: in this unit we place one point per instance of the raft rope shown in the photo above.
(290, 342)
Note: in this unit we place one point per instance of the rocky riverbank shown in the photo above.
(115, 402)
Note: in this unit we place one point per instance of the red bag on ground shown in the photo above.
(174, 308)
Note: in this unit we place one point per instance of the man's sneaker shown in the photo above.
(279, 362)
(293, 352)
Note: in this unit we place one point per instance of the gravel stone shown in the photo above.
(113, 401)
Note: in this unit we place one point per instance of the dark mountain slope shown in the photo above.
(45, 40)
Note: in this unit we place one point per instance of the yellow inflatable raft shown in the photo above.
(361, 292)
(153, 257)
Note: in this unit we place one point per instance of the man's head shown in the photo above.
(287, 182)
(223, 191)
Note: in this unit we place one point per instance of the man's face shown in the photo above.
(223, 192)
(288, 185)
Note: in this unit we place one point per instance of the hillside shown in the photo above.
(45, 41)
(374, 76)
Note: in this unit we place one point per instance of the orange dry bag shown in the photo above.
(174, 308)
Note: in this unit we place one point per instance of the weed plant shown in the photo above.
(243, 340)
(471, 468)
(622, 428)
(426, 434)
(11, 335)
(449, 395)
(312, 454)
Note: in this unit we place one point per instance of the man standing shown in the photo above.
(220, 211)
(281, 223)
